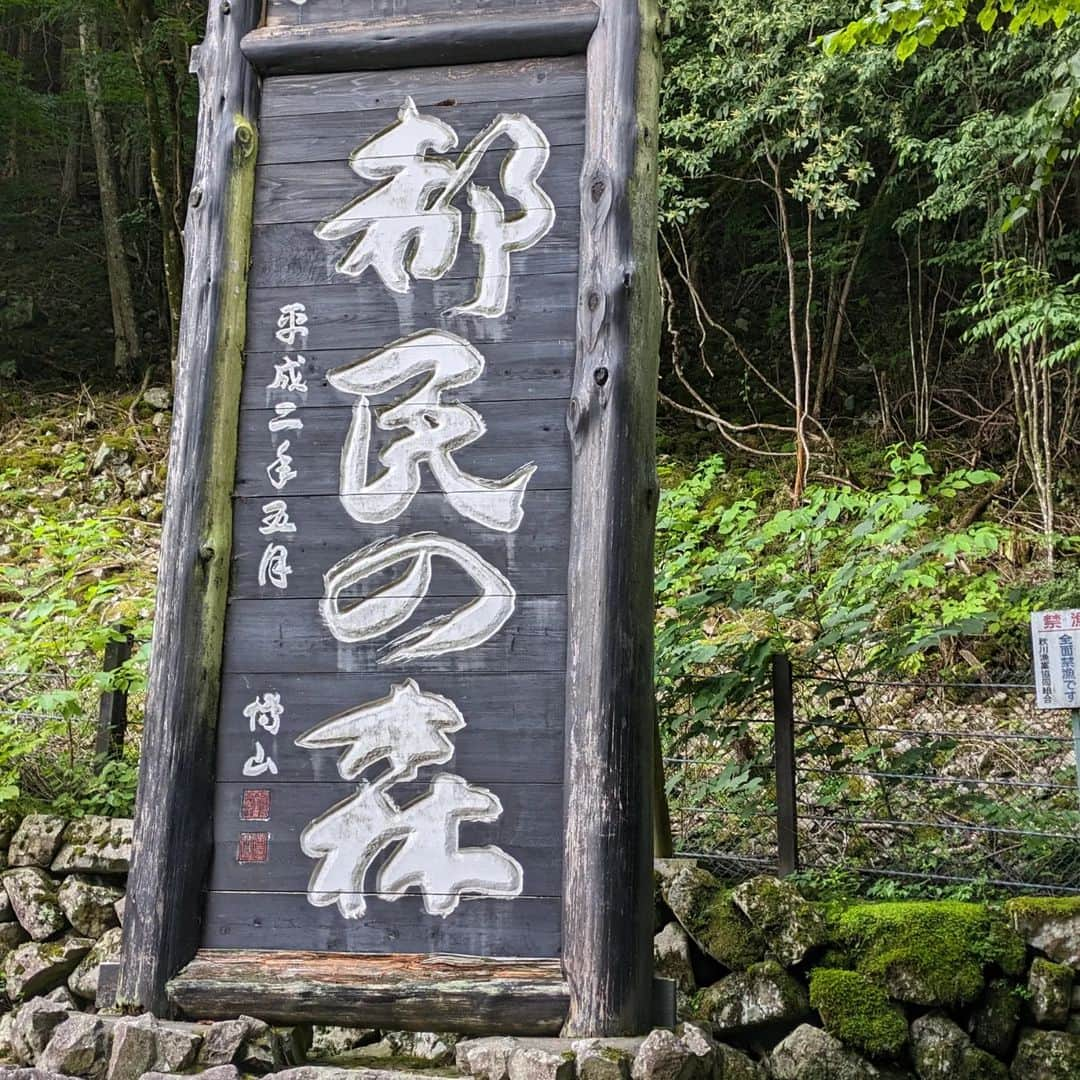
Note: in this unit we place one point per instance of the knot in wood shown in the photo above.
(593, 300)
(226, 7)
(600, 376)
(206, 552)
(597, 189)
(195, 199)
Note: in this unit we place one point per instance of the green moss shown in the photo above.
(930, 952)
(1044, 907)
(725, 933)
(858, 1012)
(837, 959)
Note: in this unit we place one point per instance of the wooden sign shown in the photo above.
(399, 737)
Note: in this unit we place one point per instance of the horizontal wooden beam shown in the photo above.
(421, 41)
(472, 995)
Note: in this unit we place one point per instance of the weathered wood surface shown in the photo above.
(279, 636)
(514, 731)
(513, 371)
(173, 836)
(525, 926)
(471, 995)
(561, 28)
(288, 13)
(608, 906)
(352, 91)
(354, 316)
(332, 137)
(533, 558)
(291, 193)
(291, 255)
(529, 829)
(519, 432)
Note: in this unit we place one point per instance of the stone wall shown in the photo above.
(768, 985)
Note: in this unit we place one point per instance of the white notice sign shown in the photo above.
(1055, 643)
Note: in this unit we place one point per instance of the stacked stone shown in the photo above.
(845, 994)
(61, 903)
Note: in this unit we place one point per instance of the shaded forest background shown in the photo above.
(870, 262)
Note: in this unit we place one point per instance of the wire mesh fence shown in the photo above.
(936, 782)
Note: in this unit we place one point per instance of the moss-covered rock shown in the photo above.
(1046, 1055)
(942, 1051)
(764, 994)
(1050, 924)
(705, 909)
(789, 924)
(858, 1012)
(932, 953)
(1050, 988)
(994, 1022)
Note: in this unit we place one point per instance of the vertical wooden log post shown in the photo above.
(787, 826)
(607, 913)
(161, 927)
(112, 709)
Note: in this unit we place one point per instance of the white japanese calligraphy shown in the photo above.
(280, 470)
(434, 431)
(276, 518)
(259, 763)
(265, 712)
(274, 566)
(408, 226)
(289, 376)
(390, 606)
(292, 324)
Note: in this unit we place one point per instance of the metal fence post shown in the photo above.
(112, 711)
(787, 838)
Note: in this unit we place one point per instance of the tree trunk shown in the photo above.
(138, 20)
(127, 351)
(69, 183)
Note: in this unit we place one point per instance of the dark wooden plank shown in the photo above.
(289, 13)
(525, 926)
(365, 316)
(332, 137)
(513, 371)
(172, 836)
(561, 28)
(281, 636)
(529, 829)
(361, 91)
(312, 192)
(519, 432)
(513, 730)
(447, 993)
(534, 558)
(610, 695)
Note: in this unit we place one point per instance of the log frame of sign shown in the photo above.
(603, 986)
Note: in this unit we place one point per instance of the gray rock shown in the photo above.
(485, 1059)
(536, 1063)
(328, 1042)
(671, 957)
(118, 909)
(223, 1042)
(177, 1043)
(764, 994)
(604, 1059)
(32, 1027)
(83, 981)
(219, 1072)
(994, 1022)
(732, 1064)
(12, 935)
(62, 996)
(790, 924)
(1046, 1055)
(664, 1056)
(1051, 926)
(704, 908)
(78, 1047)
(37, 967)
(134, 1051)
(31, 1074)
(95, 845)
(809, 1053)
(1050, 986)
(7, 914)
(7, 1052)
(158, 398)
(261, 1051)
(942, 1051)
(33, 899)
(429, 1046)
(88, 907)
(36, 840)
